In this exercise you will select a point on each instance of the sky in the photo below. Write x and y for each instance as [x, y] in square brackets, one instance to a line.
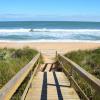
[50, 10]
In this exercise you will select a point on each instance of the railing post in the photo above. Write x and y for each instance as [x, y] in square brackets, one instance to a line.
[71, 74]
[56, 55]
[30, 77]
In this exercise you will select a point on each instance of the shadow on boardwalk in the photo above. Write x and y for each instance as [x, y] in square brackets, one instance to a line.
[45, 84]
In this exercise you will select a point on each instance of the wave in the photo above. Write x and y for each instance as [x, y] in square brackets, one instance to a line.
[64, 30]
[47, 30]
[43, 40]
[14, 30]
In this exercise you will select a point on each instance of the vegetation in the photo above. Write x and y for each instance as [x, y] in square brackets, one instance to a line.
[12, 60]
[90, 61]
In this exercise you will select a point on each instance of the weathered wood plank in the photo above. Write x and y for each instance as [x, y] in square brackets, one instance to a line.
[9, 89]
[34, 92]
[92, 80]
[30, 81]
[41, 67]
[48, 67]
[51, 88]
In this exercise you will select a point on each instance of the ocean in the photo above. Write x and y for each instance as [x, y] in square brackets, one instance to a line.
[30, 31]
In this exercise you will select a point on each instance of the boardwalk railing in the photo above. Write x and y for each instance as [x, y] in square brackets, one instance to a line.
[10, 88]
[69, 66]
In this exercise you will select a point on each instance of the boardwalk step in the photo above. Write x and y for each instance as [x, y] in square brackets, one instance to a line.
[51, 86]
[47, 67]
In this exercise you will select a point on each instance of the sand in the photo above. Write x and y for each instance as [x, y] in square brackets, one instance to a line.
[48, 49]
[56, 46]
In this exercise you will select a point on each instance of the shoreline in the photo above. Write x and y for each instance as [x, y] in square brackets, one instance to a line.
[49, 41]
[61, 47]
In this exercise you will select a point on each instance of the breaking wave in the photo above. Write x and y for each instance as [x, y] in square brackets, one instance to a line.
[49, 30]
[50, 34]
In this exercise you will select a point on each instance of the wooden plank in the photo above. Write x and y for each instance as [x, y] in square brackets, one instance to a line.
[30, 81]
[9, 89]
[65, 92]
[53, 66]
[51, 88]
[50, 78]
[92, 80]
[48, 67]
[41, 67]
[62, 79]
[69, 93]
[34, 92]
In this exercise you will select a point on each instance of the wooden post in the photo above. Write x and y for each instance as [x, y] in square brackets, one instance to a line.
[56, 56]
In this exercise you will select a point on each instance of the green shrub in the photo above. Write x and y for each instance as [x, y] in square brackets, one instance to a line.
[12, 60]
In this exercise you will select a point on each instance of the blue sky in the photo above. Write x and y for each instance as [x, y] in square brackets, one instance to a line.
[69, 10]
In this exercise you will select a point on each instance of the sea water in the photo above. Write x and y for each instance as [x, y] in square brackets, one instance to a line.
[31, 31]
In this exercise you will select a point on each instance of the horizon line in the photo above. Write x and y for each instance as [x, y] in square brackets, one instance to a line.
[46, 21]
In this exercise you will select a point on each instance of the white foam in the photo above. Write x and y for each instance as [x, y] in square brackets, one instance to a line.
[53, 32]
[14, 30]
[49, 30]
[50, 34]
[65, 30]
[43, 40]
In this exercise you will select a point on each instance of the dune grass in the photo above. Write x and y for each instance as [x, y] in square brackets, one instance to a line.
[87, 59]
[12, 60]
[90, 61]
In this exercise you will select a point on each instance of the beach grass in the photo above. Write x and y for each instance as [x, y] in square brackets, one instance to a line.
[90, 61]
[12, 60]
[87, 59]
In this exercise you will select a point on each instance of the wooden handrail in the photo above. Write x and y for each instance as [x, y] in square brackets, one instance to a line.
[92, 80]
[10, 88]
[30, 81]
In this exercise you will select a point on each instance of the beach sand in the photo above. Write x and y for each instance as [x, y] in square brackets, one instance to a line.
[48, 49]
[52, 46]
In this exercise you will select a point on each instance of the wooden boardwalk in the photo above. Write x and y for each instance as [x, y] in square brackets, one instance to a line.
[50, 81]
[51, 86]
